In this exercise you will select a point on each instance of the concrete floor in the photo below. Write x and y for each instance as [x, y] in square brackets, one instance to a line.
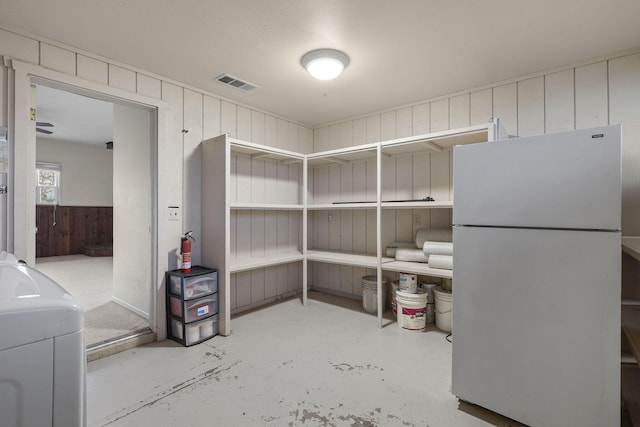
[326, 364]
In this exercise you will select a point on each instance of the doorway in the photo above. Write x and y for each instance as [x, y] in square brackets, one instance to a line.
[93, 164]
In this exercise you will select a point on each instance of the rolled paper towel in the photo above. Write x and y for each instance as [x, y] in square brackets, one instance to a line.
[444, 262]
[391, 247]
[433, 235]
[413, 255]
[437, 248]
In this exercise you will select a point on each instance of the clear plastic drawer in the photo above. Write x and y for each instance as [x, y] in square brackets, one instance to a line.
[194, 333]
[196, 309]
[200, 281]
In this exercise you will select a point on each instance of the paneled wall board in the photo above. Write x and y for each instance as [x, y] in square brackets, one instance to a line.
[57, 58]
[420, 119]
[211, 111]
[148, 86]
[439, 117]
[624, 108]
[228, 120]
[591, 95]
[505, 106]
[531, 107]
[258, 128]
[559, 97]
[19, 47]
[373, 129]
[243, 124]
[480, 106]
[93, 69]
[404, 122]
[387, 125]
[192, 155]
[459, 111]
[122, 78]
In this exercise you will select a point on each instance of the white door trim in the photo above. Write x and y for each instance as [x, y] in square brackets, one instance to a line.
[21, 220]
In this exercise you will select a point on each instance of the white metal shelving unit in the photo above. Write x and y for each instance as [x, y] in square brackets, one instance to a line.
[228, 190]
[630, 320]
[380, 152]
[234, 194]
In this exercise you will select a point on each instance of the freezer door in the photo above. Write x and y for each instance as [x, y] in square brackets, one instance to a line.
[561, 180]
[536, 324]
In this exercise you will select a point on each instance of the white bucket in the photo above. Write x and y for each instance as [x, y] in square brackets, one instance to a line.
[412, 310]
[431, 314]
[408, 283]
[394, 288]
[443, 308]
[370, 293]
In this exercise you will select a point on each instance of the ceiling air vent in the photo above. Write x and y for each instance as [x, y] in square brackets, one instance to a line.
[235, 82]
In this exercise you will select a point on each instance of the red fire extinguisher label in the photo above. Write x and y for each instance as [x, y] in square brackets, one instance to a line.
[186, 260]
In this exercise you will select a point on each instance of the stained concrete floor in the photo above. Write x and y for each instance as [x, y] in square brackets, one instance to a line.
[326, 364]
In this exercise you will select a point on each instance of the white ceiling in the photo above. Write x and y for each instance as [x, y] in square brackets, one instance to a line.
[401, 51]
[75, 118]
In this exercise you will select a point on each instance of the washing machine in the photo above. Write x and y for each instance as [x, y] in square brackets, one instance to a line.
[42, 353]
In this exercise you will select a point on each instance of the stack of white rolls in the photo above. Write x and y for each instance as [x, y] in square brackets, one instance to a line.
[432, 245]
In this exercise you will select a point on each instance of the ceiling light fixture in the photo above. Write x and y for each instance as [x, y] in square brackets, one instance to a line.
[325, 64]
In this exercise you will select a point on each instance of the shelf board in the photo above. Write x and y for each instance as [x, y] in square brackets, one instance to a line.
[631, 246]
[261, 151]
[341, 206]
[343, 155]
[631, 327]
[436, 141]
[265, 207]
[447, 204]
[417, 205]
[420, 268]
[252, 262]
[343, 258]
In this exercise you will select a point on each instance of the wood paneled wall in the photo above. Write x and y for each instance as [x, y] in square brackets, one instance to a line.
[594, 94]
[75, 227]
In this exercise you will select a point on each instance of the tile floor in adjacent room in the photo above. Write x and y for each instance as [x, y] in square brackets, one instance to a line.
[326, 364]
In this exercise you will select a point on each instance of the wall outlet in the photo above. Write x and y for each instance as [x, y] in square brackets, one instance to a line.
[416, 219]
[173, 213]
[330, 217]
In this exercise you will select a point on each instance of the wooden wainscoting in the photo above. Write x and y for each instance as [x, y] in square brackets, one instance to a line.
[76, 227]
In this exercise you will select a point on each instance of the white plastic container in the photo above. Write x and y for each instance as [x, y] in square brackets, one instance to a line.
[431, 313]
[408, 283]
[412, 310]
[370, 293]
[443, 308]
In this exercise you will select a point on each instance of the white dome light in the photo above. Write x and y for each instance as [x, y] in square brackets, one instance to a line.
[325, 64]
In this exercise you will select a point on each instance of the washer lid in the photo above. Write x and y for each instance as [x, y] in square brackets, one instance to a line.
[32, 306]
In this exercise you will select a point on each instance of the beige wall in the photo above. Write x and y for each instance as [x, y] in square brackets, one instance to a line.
[87, 171]
[602, 92]
[592, 94]
[203, 115]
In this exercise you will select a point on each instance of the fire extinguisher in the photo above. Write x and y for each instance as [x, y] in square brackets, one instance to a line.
[185, 250]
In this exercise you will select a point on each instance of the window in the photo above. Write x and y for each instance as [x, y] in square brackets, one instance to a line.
[47, 183]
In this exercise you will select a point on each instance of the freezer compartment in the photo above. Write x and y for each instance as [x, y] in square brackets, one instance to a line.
[199, 282]
[536, 325]
[193, 333]
[562, 180]
[195, 309]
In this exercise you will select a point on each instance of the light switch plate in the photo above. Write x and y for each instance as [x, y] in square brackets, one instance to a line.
[173, 213]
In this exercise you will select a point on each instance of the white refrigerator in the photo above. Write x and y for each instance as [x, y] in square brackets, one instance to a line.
[536, 277]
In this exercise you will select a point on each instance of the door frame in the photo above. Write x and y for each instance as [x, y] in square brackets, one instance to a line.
[21, 211]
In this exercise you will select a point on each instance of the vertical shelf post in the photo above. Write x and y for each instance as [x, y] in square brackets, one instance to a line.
[379, 231]
[305, 191]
